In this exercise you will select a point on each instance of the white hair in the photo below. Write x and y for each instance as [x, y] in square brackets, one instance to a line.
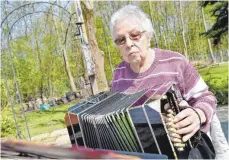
[134, 12]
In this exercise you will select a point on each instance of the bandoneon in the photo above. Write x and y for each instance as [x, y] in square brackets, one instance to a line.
[116, 121]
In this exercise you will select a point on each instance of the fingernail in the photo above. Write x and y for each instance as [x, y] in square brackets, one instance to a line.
[175, 120]
[184, 139]
[176, 126]
[178, 131]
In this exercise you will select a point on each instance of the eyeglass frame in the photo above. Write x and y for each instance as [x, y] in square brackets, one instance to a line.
[140, 34]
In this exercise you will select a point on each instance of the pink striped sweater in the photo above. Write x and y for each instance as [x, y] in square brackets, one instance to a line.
[168, 67]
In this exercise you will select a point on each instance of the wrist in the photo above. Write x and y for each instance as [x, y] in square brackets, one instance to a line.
[202, 115]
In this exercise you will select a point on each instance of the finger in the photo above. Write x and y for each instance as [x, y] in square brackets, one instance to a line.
[188, 129]
[170, 115]
[188, 136]
[185, 122]
[170, 111]
[181, 115]
[167, 106]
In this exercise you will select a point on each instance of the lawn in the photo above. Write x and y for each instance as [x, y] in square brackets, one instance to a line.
[40, 122]
[217, 79]
[47, 121]
[219, 72]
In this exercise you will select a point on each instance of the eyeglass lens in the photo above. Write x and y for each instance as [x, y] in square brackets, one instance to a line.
[133, 36]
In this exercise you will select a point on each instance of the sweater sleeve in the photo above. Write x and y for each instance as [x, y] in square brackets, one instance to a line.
[196, 93]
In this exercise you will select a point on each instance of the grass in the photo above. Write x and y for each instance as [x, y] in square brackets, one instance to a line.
[216, 75]
[217, 79]
[40, 122]
[216, 72]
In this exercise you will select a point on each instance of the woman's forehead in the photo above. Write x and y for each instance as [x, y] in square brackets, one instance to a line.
[126, 26]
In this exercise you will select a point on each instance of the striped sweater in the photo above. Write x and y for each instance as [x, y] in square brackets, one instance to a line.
[168, 67]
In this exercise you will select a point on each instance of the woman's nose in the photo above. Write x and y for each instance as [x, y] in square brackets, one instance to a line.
[129, 42]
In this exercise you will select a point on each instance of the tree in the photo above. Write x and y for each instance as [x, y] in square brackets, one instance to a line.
[220, 27]
[64, 51]
[209, 43]
[97, 54]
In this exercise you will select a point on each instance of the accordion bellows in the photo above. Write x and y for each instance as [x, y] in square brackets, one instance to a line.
[112, 121]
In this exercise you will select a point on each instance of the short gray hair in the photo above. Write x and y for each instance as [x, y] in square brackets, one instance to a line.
[139, 16]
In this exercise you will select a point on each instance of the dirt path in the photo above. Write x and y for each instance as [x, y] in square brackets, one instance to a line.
[58, 138]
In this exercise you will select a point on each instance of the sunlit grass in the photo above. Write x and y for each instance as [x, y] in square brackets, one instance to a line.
[217, 79]
[40, 122]
[216, 74]
[215, 71]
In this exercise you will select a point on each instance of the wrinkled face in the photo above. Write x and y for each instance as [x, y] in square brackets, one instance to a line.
[131, 40]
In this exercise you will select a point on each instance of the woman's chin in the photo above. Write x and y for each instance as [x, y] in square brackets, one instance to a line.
[135, 61]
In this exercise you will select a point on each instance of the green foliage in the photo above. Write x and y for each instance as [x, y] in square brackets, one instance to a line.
[4, 100]
[76, 60]
[107, 46]
[38, 121]
[216, 78]
[219, 10]
[7, 123]
[38, 62]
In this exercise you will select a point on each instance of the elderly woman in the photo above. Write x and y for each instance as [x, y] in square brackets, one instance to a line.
[144, 67]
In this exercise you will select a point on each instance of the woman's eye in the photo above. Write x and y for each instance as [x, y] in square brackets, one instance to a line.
[122, 39]
[135, 36]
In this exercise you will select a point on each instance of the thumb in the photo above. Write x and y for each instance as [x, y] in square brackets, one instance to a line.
[183, 104]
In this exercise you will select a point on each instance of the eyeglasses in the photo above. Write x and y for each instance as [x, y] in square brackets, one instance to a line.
[135, 36]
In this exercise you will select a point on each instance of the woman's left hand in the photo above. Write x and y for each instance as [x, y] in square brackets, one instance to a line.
[187, 122]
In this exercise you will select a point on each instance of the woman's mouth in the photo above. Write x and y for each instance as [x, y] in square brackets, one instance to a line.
[132, 53]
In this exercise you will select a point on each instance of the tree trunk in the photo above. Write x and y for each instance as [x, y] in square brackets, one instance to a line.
[166, 23]
[151, 17]
[106, 42]
[209, 42]
[97, 54]
[191, 54]
[66, 63]
[165, 40]
[221, 56]
[37, 50]
[183, 33]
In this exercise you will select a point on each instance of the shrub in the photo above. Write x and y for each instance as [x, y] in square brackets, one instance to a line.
[7, 123]
[219, 88]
